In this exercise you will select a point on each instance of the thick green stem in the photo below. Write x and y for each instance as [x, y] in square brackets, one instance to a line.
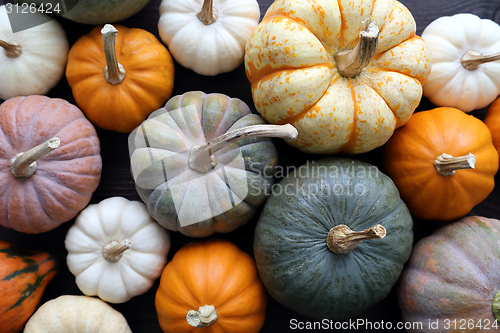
[12, 49]
[447, 165]
[208, 14]
[341, 239]
[24, 165]
[114, 71]
[205, 316]
[473, 59]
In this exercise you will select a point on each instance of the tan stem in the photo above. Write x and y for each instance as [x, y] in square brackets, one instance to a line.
[113, 251]
[205, 316]
[208, 14]
[351, 62]
[472, 59]
[12, 49]
[24, 165]
[114, 71]
[447, 165]
[341, 239]
[202, 158]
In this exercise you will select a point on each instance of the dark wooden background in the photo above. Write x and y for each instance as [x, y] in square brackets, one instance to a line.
[116, 180]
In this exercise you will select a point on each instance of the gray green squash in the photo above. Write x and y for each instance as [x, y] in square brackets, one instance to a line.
[332, 238]
[204, 163]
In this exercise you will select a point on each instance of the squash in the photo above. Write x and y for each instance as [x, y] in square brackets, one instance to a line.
[211, 285]
[115, 250]
[24, 275]
[332, 238]
[32, 61]
[493, 122]
[465, 68]
[92, 12]
[50, 163]
[443, 162]
[119, 76]
[346, 74]
[451, 278]
[75, 314]
[220, 31]
[199, 165]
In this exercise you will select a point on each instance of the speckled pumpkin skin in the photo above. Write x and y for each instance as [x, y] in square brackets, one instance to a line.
[453, 274]
[293, 260]
[219, 114]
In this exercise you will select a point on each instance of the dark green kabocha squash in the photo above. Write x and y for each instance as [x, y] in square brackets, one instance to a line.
[332, 238]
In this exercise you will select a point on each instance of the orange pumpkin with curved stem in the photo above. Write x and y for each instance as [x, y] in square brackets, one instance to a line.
[443, 162]
[211, 285]
[119, 76]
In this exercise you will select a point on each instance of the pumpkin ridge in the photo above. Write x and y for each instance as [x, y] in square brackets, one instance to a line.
[350, 144]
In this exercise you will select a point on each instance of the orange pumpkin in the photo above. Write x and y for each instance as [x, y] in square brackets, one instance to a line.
[492, 120]
[24, 275]
[443, 162]
[214, 285]
[119, 76]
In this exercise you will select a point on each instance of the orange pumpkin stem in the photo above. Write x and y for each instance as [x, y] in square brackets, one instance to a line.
[351, 62]
[24, 165]
[472, 59]
[341, 239]
[208, 14]
[446, 165]
[12, 49]
[113, 251]
[205, 316]
[202, 158]
[114, 71]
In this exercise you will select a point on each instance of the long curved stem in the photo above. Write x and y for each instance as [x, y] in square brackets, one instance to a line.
[24, 165]
[341, 239]
[114, 71]
[471, 60]
[12, 49]
[447, 165]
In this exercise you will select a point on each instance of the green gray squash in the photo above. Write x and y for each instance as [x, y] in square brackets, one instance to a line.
[332, 238]
[204, 163]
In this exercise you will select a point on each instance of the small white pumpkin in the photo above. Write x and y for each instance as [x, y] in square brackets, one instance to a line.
[32, 61]
[74, 314]
[116, 250]
[465, 70]
[208, 36]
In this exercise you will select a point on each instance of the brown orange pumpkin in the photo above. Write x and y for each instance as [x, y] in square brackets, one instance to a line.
[24, 275]
[443, 162]
[50, 163]
[211, 285]
[119, 76]
[492, 120]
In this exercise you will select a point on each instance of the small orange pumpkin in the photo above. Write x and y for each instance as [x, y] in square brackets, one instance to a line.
[211, 285]
[443, 162]
[119, 76]
[24, 275]
[492, 120]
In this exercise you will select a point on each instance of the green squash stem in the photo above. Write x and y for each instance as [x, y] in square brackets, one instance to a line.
[447, 165]
[495, 306]
[113, 251]
[341, 239]
[202, 158]
[351, 62]
[12, 49]
[471, 60]
[114, 71]
[205, 316]
[208, 14]
[24, 165]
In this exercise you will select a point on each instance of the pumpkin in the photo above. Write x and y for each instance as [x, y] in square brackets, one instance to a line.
[346, 74]
[119, 76]
[451, 278]
[24, 275]
[115, 250]
[32, 61]
[443, 162]
[74, 314]
[219, 28]
[492, 121]
[91, 11]
[332, 238]
[211, 285]
[50, 163]
[465, 69]
[199, 164]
